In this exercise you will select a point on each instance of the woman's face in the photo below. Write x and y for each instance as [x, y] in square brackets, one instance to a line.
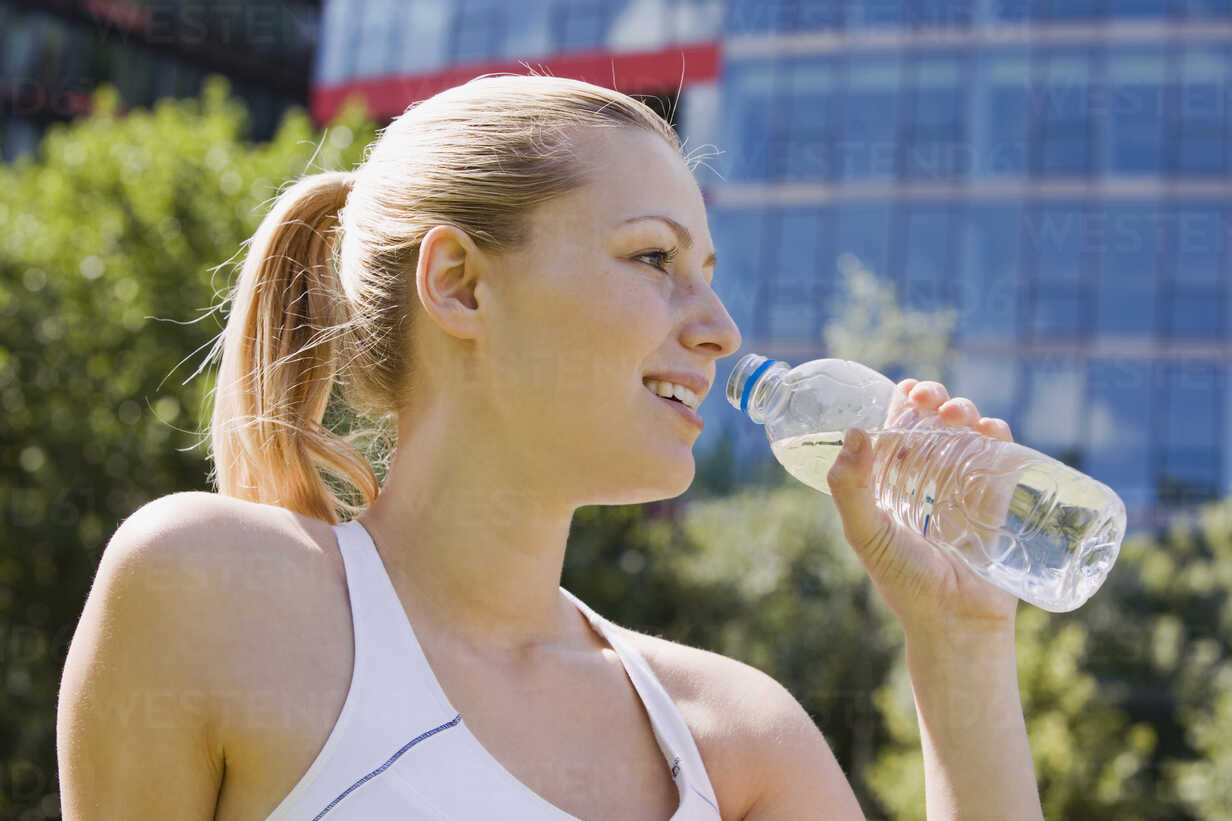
[601, 296]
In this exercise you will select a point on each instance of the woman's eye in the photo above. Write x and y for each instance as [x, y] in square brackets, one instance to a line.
[665, 256]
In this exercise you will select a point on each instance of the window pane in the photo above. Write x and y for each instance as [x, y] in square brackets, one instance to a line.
[1001, 110]
[1142, 8]
[1227, 418]
[1205, 8]
[422, 40]
[744, 16]
[1119, 425]
[332, 56]
[938, 148]
[1067, 9]
[861, 13]
[1200, 244]
[23, 32]
[1195, 314]
[813, 15]
[478, 28]
[1199, 247]
[1201, 108]
[1057, 311]
[583, 24]
[943, 12]
[810, 122]
[1189, 397]
[1057, 237]
[21, 137]
[134, 77]
[927, 266]
[1052, 419]
[870, 117]
[1134, 105]
[998, 10]
[862, 230]
[1057, 240]
[798, 273]
[1131, 237]
[749, 87]
[988, 381]
[1064, 105]
[77, 46]
[529, 32]
[989, 295]
[1189, 463]
[738, 243]
[374, 19]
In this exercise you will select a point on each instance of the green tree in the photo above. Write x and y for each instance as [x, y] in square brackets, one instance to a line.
[1128, 699]
[1169, 655]
[875, 329]
[110, 276]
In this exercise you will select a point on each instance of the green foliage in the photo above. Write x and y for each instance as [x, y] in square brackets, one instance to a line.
[1172, 655]
[1128, 700]
[1089, 759]
[108, 281]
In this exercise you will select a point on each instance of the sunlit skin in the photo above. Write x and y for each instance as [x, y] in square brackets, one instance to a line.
[530, 404]
[530, 401]
[525, 402]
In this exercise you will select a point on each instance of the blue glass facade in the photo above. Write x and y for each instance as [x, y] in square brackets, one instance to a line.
[1058, 172]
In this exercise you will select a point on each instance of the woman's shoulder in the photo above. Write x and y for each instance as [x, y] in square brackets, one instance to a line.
[197, 526]
[733, 709]
[215, 548]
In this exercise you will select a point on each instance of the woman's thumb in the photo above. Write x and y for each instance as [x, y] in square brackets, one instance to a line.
[851, 485]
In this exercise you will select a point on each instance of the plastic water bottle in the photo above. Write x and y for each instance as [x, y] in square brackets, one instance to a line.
[1024, 521]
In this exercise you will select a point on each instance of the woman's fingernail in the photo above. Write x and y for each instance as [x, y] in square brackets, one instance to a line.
[852, 441]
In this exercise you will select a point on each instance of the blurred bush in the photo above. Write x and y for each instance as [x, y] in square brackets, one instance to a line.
[108, 280]
[111, 271]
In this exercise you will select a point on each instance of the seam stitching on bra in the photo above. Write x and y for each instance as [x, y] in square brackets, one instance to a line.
[387, 764]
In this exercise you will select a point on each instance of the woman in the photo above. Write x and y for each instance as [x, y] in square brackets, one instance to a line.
[522, 263]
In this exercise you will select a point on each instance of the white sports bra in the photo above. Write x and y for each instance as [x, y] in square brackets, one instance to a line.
[400, 750]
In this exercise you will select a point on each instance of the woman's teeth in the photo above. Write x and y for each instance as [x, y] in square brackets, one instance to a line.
[670, 390]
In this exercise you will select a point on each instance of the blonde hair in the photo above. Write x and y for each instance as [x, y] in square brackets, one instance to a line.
[309, 311]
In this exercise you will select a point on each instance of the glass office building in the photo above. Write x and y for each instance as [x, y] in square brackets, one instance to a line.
[1057, 172]
[53, 54]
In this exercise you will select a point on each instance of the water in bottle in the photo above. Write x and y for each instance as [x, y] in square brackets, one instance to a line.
[1024, 521]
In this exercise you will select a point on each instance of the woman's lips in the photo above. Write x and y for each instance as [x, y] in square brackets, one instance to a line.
[691, 416]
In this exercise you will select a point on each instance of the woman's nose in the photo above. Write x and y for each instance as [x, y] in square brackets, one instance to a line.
[713, 326]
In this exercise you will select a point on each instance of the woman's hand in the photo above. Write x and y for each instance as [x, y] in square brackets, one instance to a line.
[928, 589]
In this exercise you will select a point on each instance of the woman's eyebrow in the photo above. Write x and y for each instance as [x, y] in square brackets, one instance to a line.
[686, 238]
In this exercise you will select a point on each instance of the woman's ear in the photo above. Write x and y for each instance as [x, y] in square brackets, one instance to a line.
[445, 280]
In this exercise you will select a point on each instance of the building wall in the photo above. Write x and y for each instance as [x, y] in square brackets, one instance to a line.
[1059, 175]
[54, 53]
[1057, 171]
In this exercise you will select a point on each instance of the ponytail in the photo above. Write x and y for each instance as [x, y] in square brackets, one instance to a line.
[278, 362]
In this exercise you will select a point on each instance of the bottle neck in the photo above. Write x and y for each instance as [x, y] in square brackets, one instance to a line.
[768, 392]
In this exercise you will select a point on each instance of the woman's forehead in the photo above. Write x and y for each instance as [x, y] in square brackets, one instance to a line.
[636, 173]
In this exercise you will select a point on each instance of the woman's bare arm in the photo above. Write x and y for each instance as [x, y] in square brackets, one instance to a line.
[134, 721]
[959, 630]
[977, 762]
